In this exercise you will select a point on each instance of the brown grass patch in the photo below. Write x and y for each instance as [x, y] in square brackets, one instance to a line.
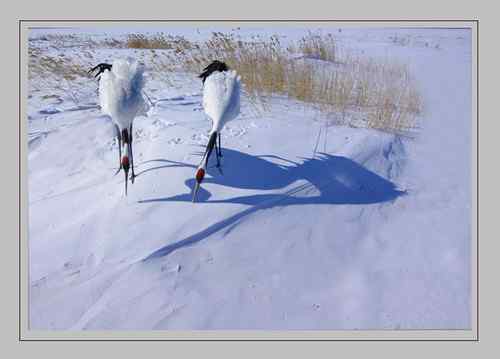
[383, 94]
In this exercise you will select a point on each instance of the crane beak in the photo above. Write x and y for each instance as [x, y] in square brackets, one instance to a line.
[195, 192]
[126, 180]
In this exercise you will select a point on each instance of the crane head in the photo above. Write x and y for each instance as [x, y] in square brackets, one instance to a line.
[126, 167]
[200, 175]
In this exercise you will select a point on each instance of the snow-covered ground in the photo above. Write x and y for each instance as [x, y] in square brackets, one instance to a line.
[312, 225]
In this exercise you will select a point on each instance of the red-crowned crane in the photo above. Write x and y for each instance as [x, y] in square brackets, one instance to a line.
[120, 96]
[221, 102]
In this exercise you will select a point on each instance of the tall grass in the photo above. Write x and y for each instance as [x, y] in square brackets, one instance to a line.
[40, 64]
[319, 46]
[157, 41]
[380, 93]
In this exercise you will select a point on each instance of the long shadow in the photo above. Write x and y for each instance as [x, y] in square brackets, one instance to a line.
[171, 164]
[329, 180]
[338, 179]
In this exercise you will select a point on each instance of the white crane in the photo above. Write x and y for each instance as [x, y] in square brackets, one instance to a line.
[221, 102]
[120, 96]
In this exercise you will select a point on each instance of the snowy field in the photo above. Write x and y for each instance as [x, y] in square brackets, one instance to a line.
[312, 226]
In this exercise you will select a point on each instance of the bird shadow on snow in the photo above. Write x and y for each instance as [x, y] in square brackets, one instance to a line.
[168, 165]
[329, 180]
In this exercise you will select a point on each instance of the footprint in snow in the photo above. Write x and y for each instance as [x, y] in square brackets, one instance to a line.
[175, 141]
[166, 269]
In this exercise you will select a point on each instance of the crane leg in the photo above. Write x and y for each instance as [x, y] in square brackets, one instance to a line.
[119, 136]
[218, 155]
[131, 155]
[212, 142]
[220, 147]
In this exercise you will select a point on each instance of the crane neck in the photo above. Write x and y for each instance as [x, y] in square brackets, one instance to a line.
[210, 146]
[125, 136]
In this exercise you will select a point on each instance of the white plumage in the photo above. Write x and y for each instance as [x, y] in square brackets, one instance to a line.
[221, 102]
[120, 96]
[221, 98]
[120, 92]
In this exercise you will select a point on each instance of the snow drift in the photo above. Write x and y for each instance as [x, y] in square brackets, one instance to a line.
[312, 226]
